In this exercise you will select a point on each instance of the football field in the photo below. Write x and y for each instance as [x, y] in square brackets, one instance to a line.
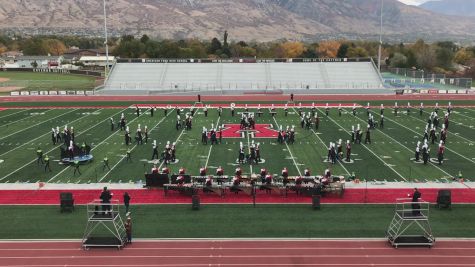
[389, 156]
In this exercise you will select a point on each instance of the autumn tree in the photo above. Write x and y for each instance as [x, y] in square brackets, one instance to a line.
[54, 47]
[328, 49]
[463, 56]
[292, 49]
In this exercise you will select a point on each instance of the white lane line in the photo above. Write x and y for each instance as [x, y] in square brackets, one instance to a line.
[37, 124]
[123, 157]
[385, 164]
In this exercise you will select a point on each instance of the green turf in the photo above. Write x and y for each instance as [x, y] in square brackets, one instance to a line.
[387, 158]
[35, 81]
[232, 221]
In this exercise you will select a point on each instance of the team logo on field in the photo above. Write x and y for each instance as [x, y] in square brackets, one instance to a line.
[260, 131]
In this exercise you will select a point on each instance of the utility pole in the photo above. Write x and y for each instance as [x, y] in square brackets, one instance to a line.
[106, 40]
[380, 37]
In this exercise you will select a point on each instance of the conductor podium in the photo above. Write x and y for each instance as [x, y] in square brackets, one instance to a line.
[105, 227]
[410, 224]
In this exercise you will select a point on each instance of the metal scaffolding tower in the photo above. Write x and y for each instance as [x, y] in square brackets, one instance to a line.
[410, 224]
[105, 227]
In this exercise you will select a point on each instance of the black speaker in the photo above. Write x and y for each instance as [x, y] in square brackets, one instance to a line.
[195, 202]
[444, 199]
[316, 202]
[66, 201]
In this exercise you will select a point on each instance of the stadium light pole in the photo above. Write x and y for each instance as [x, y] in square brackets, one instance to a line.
[380, 36]
[106, 40]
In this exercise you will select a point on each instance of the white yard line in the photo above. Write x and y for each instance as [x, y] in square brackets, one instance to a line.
[323, 143]
[288, 149]
[36, 124]
[102, 142]
[211, 148]
[452, 121]
[385, 164]
[423, 135]
[28, 117]
[23, 110]
[249, 150]
[425, 122]
[437, 167]
[17, 147]
[176, 141]
[123, 157]
[55, 146]
[463, 115]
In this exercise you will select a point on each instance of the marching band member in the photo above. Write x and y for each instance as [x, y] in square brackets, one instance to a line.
[220, 171]
[202, 171]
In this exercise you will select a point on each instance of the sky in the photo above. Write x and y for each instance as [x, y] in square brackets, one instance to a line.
[413, 2]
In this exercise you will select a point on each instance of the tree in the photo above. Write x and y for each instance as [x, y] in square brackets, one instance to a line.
[426, 58]
[328, 49]
[144, 39]
[398, 61]
[54, 47]
[292, 49]
[33, 47]
[463, 56]
[226, 49]
[444, 57]
[34, 64]
[342, 51]
[214, 46]
[355, 52]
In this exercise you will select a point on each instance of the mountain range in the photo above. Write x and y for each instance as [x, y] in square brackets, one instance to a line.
[262, 20]
[451, 7]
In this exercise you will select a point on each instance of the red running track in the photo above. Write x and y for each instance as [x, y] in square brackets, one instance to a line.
[196, 253]
[156, 196]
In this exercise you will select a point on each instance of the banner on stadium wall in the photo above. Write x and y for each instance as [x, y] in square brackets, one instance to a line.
[62, 92]
[15, 93]
[442, 91]
[34, 93]
[461, 91]
[242, 60]
[79, 92]
[24, 93]
[53, 92]
[451, 91]
[433, 91]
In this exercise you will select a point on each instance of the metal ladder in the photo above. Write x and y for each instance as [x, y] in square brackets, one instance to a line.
[395, 227]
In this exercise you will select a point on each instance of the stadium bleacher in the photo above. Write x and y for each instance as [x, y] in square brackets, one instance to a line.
[237, 78]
